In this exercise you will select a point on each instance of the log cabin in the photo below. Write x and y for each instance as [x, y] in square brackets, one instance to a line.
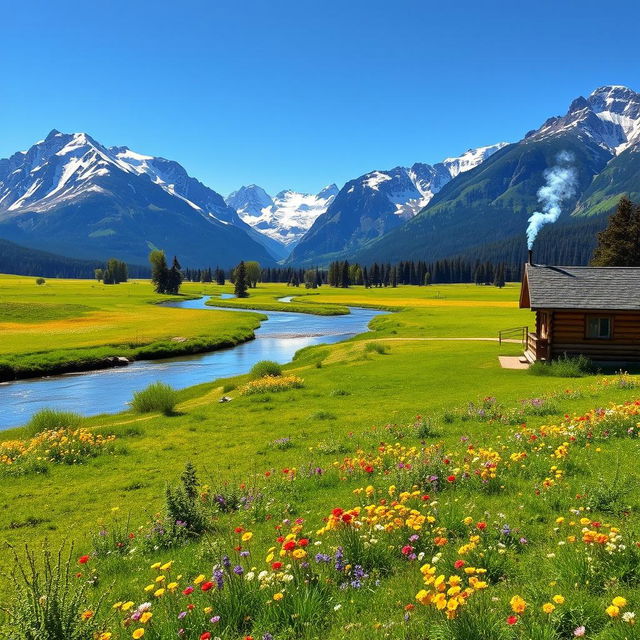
[593, 311]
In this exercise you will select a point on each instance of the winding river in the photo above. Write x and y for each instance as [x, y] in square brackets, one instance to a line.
[109, 390]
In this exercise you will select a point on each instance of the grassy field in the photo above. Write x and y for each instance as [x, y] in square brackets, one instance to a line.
[516, 479]
[75, 324]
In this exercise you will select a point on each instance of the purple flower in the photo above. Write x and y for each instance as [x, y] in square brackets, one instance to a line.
[218, 577]
[244, 554]
[226, 562]
[322, 557]
[238, 570]
[181, 615]
[267, 636]
[214, 619]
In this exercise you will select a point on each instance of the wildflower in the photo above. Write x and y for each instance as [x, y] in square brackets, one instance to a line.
[127, 605]
[629, 617]
[619, 602]
[578, 632]
[138, 633]
[247, 536]
[612, 611]
[166, 566]
[159, 593]
[83, 559]
[451, 479]
[558, 599]
[278, 596]
[276, 565]
[205, 586]
[205, 636]
[199, 579]
[187, 591]
[145, 617]
[87, 615]
[548, 608]
[518, 605]
[511, 620]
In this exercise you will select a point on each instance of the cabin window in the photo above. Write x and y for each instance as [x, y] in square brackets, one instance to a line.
[599, 327]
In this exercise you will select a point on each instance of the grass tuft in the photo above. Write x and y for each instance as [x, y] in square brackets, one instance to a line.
[156, 397]
[564, 367]
[52, 420]
[265, 368]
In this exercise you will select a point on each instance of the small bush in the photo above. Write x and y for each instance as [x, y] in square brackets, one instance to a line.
[282, 443]
[156, 397]
[340, 392]
[377, 347]
[228, 387]
[564, 367]
[40, 281]
[265, 368]
[52, 420]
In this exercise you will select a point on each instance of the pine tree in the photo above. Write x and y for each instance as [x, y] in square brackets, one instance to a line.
[344, 279]
[619, 244]
[174, 277]
[159, 271]
[241, 281]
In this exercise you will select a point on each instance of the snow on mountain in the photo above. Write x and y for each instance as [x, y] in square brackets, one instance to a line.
[66, 174]
[410, 189]
[285, 217]
[610, 116]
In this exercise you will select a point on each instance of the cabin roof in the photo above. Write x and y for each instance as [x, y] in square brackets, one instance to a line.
[595, 288]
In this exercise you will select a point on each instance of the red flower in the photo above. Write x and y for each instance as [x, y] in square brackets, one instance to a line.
[458, 564]
[347, 517]
[238, 530]
[132, 536]
[451, 478]
[303, 542]
[187, 591]
[205, 636]
[407, 549]
[276, 565]
[482, 526]
[83, 559]
[369, 469]
[409, 607]
[337, 512]
[280, 539]
[205, 586]
[191, 607]
[511, 620]
[289, 545]
[426, 497]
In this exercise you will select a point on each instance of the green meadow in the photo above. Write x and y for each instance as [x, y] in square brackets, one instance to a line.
[421, 395]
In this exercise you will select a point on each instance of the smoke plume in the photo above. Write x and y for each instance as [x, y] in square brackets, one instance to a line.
[561, 182]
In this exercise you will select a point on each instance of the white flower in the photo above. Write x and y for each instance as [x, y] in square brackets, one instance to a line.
[262, 575]
[629, 616]
[250, 576]
[338, 606]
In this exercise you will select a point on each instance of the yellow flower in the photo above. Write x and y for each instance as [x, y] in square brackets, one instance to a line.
[149, 587]
[87, 615]
[127, 605]
[278, 596]
[166, 566]
[172, 585]
[547, 607]
[613, 611]
[159, 593]
[558, 599]
[299, 554]
[208, 609]
[619, 602]
[117, 605]
[246, 536]
[518, 605]
[145, 617]
[160, 579]
[199, 579]
[105, 635]
[138, 633]
[155, 565]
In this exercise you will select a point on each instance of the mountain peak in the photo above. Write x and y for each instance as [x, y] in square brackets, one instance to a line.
[52, 134]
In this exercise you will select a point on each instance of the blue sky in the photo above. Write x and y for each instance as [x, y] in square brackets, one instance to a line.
[299, 93]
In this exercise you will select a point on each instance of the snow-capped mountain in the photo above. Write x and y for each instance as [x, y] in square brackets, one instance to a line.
[490, 205]
[369, 206]
[72, 195]
[610, 117]
[285, 217]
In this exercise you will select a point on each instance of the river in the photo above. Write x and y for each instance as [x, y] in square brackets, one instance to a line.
[109, 390]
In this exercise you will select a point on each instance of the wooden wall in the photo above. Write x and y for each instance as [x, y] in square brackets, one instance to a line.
[568, 335]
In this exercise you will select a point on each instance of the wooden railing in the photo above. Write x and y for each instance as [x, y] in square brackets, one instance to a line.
[515, 333]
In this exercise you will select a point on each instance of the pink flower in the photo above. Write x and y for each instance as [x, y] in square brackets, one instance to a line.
[578, 632]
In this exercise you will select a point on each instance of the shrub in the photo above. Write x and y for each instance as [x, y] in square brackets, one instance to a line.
[271, 383]
[563, 367]
[40, 281]
[323, 415]
[49, 602]
[52, 420]
[340, 392]
[156, 397]
[376, 347]
[265, 368]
